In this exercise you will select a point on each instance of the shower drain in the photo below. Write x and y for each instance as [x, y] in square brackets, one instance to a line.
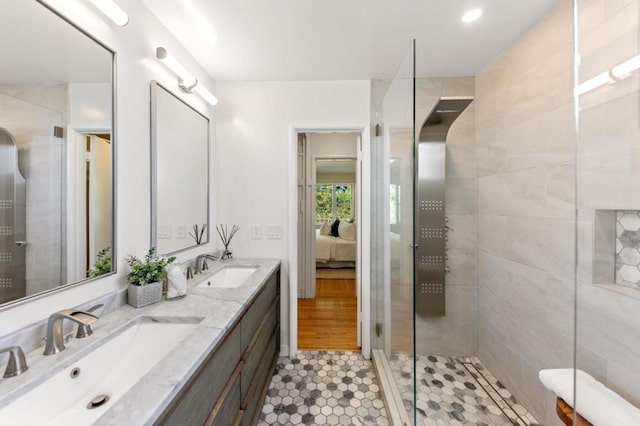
[98, 401]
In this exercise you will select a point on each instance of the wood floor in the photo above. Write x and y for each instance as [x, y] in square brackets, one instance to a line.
[329, 321]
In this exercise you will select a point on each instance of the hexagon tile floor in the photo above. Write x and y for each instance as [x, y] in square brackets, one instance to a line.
[456, 392]
[324, 388]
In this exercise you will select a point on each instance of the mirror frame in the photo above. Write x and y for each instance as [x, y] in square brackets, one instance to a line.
[114, 168]
[155, 86]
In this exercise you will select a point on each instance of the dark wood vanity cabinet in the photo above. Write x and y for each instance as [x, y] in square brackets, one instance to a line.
[230, 386]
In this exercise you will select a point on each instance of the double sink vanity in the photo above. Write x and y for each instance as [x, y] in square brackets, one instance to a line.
[203, 359]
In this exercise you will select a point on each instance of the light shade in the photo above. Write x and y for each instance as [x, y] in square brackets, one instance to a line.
[187, 80]
[113, 11]
[624, 69]
[205, 94]
[471, 15]
[594, 83]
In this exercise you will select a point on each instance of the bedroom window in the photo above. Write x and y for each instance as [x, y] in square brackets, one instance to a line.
[334, 201]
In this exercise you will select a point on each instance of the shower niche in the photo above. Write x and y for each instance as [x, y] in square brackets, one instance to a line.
[431, 220]
[617, 248]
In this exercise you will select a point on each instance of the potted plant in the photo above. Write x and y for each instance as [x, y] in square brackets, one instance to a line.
[102, 265]
[145, 278]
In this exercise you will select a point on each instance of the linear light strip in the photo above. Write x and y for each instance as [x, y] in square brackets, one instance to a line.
[619, 72]
[112, 11]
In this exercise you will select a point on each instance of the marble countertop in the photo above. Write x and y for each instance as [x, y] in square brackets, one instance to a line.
[219, 308]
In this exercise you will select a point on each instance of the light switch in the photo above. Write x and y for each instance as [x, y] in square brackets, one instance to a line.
[256, 232]
[164, 231]
[274, 232]
[181, 231]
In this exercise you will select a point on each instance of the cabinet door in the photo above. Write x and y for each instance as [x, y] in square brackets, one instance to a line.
[258, 309]
[227, 408]
[255, 392]
[259, 348]
[200, 395]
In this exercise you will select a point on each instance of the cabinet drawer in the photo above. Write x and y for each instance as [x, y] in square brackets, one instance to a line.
[253, 399]
[199, 396]
[258, 309]
[257, 349]
[226, 409]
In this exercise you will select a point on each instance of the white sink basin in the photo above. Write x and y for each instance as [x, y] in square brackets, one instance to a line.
[229, 277]
[111, 369]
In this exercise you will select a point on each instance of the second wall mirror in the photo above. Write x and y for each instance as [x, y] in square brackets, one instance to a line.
[179, 173]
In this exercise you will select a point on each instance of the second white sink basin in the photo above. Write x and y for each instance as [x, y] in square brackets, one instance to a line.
[82, 392]
[229, 277]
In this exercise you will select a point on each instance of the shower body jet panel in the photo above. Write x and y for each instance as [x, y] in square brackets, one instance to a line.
[431, 224]
[12, 222]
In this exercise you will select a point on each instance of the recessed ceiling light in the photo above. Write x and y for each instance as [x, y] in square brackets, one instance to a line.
[471, 15]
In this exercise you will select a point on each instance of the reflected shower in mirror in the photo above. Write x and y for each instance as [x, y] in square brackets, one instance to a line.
[180, 173]
[56, 153]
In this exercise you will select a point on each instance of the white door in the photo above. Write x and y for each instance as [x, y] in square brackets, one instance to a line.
[99, 195]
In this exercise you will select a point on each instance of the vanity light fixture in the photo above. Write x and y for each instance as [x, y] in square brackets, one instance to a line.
[471, 15]
[594, 83]
[615, 74]
[187, 81]
[205, 94]
[626, 68]
[113, 11]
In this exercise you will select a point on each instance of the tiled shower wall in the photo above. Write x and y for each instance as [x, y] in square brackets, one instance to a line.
[527, 228]
[526, 171]
[608, 179]
[29, 112]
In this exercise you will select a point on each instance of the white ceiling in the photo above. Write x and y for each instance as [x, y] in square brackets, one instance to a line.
[343, 39]
[39, 46]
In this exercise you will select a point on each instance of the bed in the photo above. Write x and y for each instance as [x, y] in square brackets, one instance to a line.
[334, 252]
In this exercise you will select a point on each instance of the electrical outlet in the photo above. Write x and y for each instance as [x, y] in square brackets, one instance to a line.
[164, 231]
[181, 231]
[274, 232]
[256, 232]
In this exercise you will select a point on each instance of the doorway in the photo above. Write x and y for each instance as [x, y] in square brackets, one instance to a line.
[88, 195]
[329, 200]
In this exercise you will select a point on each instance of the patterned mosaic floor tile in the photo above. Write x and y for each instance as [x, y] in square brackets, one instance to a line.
[324, 388]
[456, 392]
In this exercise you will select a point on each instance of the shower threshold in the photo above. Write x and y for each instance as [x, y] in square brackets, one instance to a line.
[455, 391]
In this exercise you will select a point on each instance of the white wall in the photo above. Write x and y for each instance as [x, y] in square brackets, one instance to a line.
[90, 106]
[136, 67]
[255, 124]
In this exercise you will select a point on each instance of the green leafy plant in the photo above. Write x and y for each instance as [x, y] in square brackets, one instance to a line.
[149, 270]
[102, 265]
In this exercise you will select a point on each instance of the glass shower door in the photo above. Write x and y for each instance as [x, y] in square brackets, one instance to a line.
[393, 280]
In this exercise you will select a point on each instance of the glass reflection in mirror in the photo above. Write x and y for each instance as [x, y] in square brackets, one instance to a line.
[56, 153]
[180, 173]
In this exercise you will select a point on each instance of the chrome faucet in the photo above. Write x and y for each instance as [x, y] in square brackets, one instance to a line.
[55, 337]
[85, 330]
[17, 363]
[201, 263]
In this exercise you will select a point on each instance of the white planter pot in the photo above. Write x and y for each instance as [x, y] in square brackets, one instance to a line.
[143, 295]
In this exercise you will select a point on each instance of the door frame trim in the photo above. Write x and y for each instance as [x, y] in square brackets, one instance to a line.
[364, 262]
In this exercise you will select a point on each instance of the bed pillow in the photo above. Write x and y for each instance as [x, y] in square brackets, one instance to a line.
[347, 231]
[334, 228]
[325, 229]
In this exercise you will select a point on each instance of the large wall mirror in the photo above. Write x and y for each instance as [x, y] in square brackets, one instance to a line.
[180, 173]
[56, 153]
